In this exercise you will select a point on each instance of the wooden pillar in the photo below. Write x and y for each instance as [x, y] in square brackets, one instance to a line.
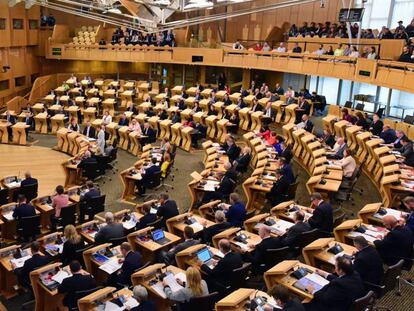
[202, 75]
[246, 78]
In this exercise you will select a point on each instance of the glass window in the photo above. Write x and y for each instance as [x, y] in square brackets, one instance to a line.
[17, 23]
[329, 88]
[365, 89]
[401, 101]
[312, 83]
[376, 13]
[345, 92]
[402, 11]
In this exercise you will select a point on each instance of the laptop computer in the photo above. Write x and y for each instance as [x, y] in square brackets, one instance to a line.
[204, 256]
[159, 236]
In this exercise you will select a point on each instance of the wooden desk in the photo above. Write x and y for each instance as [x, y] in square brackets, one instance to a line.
[19, 133]
[369, 214]
[57, 121]
[9, 223]
[316, 254]
[7, 277]
[4, 134]
[230, 234]
[286, 210]
[177, 224]
[92, 264]
[89, 302]
[148, 275]
[188, 257]
[44, 206]
[88, 230]
[278, 229]
[41, 122]
[129, 177]
[89, 114]
[346, 232]
[238, 299]
[108, 105]
[141, 240]
[282, 274]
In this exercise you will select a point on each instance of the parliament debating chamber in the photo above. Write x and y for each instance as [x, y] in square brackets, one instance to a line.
[207, 155]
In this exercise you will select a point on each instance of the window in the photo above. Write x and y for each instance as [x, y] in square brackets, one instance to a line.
[345, 91]
[19, 81]
[329, 88]
[403, 11]
[366, 89]
[33, 24]
[401, 101]
[17, 23]
[4, 85]
[2, 23]
[313, 83]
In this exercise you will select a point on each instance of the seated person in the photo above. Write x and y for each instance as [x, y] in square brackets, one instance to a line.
[286, 152]
[28, 180]
[23, 209]
[74, 126]
[397, 143]
[258, 255]
[236, 213]
[112, 230]
[227, 184]
[327, 138]
[140, 294]
[219, 276]
[87, 160]
[60, 200]
[92, 192]
[367, 262]
[388, 134]
[407, 151]
[280, 189]
[397, 244]
[293, 234]
[376, 125]
[189, 240]
[79, 281]
[242, 162]
[306, 124]
[166, 161]
[36, 261]
[132, 260]
[220, 225]
[73, 243]
[148, 218]
[168, 208]
[150, 133]
[286, 170]
[322, 214]
[338, 149]
[343, 289]
[123, 121]
[347, 163]
[232, 150]
[147, 174]
[194, 287]
[285, 299]
[89, 130]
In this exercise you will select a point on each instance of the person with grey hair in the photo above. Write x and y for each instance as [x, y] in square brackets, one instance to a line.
[367, 262]
[111, 230]
[221, 224]
[141, 295]
[409, 203]
[28, 180]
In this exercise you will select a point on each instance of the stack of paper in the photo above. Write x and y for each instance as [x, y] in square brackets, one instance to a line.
[172, 282]
[110, 306]
[131, 303]
[242, 245]
[159, 289]
[19, 262]
[281, 226]
[8, 215]
[60, 276]
[129, 224]
[111, 266]
[197, 226]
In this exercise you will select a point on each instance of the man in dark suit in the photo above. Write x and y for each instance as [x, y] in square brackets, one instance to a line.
[123, 121]
[89, 130]
[132, 108]
[285, 299]
[287, 170]
[148, 218]
[149, 173]
[220, 275]
[279, 189]
[189, 240]
[306, 124]
[12, 120]
[79, 281]
[256, 106]
[294, 232]
[342, 290]
[242, 162]
[36, 261]
[258, 255]
[232, 150]
[407, 151]
[111, 230]
[279, 90]
[368, 262]
[29, 180]
[92, 192]
[150, 133]
[228, 180]
[286, 151]
[302, 109]
[376, 125]
[220, 225]
[86, 160]
[388, 134]
[132, 261]
[397, 244]
[168, 208]
[23, 209]
[236, 212]
[322, 218]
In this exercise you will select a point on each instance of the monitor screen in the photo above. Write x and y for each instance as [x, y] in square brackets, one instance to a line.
[204, 255]
[158, 235]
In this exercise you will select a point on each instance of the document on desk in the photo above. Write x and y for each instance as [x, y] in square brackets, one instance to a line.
[129, 224]
[211, 185]
[197, 226]
[110, 306]
[19, 262]
[159, 289]
[13, 184]
[60, 276]
[172, 282]
[242, 245]
[131, 303]
[111, 266]
[8, 216]
[281, 226]
[181, 276]
[313, 280]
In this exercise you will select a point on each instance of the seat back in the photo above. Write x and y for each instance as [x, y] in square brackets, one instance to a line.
[4, 196]
[380, 112]
[203, 303]
[348, 104]
[276, 255]
[339, 219]
[30, 191]
[68, 215]
[83, 293]
[79, 254]
[360, 107]
[306, 238]
[91, 170]
[96, 205]
[156, 224]
[409, 119]
[239, 276]
[113, 154]
[103, 161]
[249, 214]
[118, 241]
[29, 227]
[391, 275]
[154, 181]
[292, 190]
[362, 303]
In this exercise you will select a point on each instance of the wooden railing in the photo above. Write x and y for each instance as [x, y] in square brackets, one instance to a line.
[383, 73]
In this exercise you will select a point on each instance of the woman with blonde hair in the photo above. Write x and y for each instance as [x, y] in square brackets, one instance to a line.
[193, 287]
[165, 164]
[73, 243]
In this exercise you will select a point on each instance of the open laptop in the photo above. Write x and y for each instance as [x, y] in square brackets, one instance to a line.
[159, 237]
[204, 256]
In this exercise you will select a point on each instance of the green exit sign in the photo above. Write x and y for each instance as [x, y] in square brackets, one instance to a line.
[57, 51]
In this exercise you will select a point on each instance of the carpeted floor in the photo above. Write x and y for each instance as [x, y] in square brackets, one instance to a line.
[188, 162]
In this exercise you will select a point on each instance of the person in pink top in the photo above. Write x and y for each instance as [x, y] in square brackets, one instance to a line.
[59, 201]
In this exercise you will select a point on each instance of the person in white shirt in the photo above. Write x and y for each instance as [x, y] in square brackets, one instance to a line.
[135, 127]
[372, 53]
[354, 52]
[347, 163]
[106, 118]
[238, 46]
[267, 113]
[266, 47]
[320, 51]
[281, 48]
[100, 142]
